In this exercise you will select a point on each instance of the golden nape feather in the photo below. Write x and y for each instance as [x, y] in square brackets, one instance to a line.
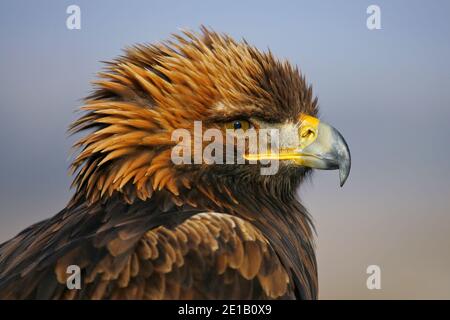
[140, 226]
[155, 89]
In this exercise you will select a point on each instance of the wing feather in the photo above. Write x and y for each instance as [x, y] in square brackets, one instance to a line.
[205, 256]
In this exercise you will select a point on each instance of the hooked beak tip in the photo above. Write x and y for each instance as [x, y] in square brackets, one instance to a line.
[344, 167]
[343, 175]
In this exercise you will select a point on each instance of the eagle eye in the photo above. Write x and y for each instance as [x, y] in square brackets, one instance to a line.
[238, 124]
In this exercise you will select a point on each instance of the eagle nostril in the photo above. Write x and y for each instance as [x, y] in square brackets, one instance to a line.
[308, 133]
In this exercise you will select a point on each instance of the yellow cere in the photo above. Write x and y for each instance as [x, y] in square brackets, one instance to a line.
[309, 129]
[308, 132]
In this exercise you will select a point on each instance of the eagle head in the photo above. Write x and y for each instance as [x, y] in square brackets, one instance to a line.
[150, 104]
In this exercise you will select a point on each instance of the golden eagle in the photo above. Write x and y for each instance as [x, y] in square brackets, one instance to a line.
[140, 226]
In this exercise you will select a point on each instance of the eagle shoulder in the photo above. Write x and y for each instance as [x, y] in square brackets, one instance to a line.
[206, 256]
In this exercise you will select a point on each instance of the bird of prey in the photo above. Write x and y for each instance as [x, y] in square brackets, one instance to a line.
[140, 226]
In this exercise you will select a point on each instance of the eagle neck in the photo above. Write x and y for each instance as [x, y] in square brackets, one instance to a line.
[282, 219]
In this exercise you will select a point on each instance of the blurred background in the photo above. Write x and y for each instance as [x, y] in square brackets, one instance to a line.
[387, 91]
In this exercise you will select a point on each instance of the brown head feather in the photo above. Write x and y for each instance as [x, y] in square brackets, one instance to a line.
[153, 89]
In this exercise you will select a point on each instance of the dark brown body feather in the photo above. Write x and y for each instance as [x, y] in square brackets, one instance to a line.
[140, 228]
[141, 252]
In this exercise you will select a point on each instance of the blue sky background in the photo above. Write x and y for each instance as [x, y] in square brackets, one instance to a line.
[388, 91]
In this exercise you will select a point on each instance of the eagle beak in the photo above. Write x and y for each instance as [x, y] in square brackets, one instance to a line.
[323, 147]
[319, 146]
